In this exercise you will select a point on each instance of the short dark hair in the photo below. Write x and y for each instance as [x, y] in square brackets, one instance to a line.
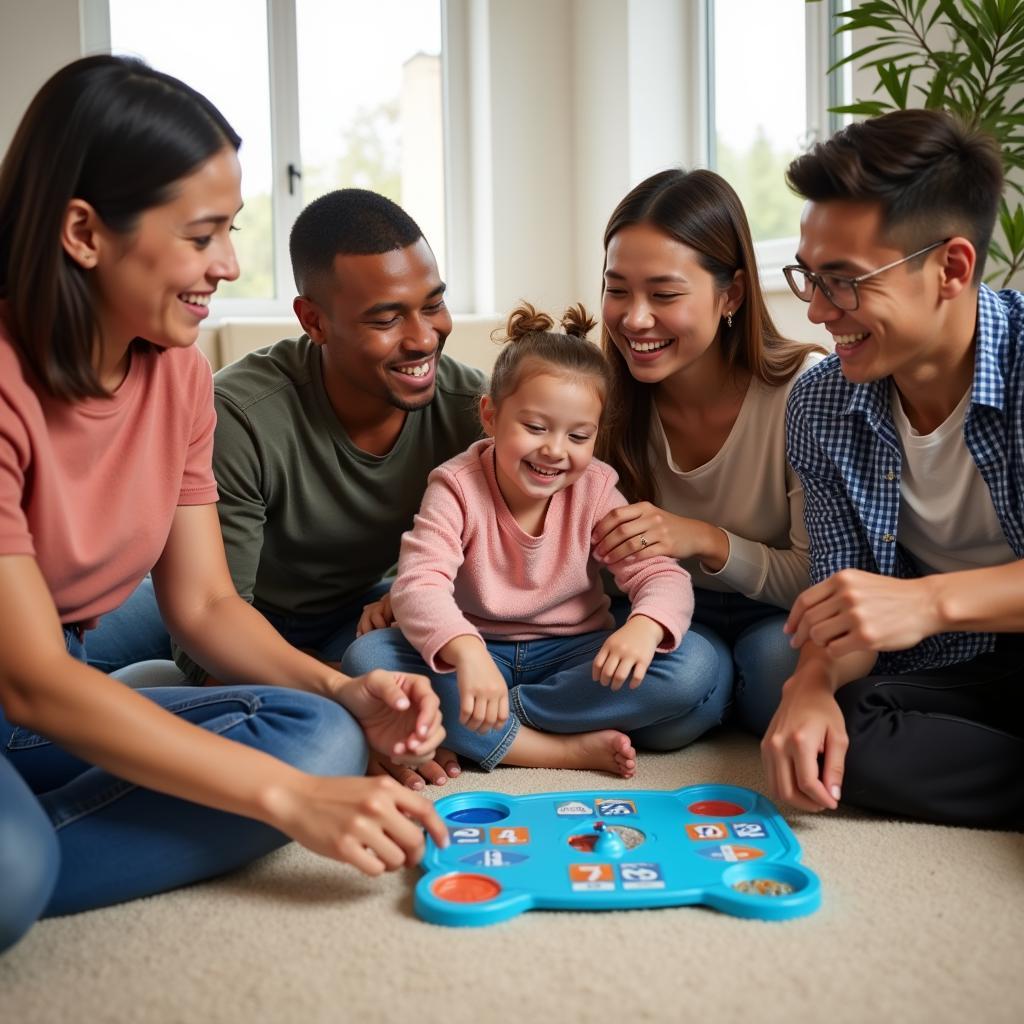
[349, 221]
[119, 135]
[933, 175]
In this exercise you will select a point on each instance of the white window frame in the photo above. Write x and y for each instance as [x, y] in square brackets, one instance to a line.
[285, 145]
[822, 91]
[474, 215]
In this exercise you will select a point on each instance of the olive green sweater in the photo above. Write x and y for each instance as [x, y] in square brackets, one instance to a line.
[310, 521]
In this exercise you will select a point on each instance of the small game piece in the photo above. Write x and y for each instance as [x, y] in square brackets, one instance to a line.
[608, 844]
[723, 846]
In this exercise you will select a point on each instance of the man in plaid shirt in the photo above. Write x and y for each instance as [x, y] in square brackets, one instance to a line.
[909, 693]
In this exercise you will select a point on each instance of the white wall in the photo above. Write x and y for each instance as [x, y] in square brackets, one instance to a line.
[36, 38]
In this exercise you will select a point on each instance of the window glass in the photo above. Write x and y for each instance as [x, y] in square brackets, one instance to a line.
[760, 107]
[227, 61]
[370, 103]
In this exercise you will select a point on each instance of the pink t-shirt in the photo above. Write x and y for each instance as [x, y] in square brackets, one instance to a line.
[89, 488]
[467, 566]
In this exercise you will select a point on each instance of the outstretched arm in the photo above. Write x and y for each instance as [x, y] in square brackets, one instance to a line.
[205, 613]
[862, 611]
[362, 821]
[804, 747]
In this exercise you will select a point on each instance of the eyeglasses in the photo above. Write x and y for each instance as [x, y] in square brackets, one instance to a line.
[840, 291]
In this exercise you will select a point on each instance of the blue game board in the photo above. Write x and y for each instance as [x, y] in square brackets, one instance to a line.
[722, 846]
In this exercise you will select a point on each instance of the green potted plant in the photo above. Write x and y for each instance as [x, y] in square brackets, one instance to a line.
[964, 56]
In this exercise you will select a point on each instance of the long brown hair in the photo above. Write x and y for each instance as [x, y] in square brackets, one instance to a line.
[700, 210]
[116, 133]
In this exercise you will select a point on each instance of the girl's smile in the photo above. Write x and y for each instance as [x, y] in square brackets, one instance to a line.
[544, 434]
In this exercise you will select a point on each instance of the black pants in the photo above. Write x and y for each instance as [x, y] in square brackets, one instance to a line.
[945, 745]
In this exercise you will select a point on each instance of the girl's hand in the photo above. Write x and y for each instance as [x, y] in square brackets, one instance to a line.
[632, 533]
[377, 615]
[400, 714]
[483, 693]
[627, 653]
[374, 824]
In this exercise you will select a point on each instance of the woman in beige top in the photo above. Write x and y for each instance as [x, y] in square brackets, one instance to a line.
[702, 379]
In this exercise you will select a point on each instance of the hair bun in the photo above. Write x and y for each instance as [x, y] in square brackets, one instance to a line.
[577, 321]
[524, 320]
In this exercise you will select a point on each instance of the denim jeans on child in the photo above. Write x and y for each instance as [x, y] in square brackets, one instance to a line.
[73, 836]
[684, 693]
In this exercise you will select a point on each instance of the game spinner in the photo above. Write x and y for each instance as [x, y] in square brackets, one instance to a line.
[722, 846]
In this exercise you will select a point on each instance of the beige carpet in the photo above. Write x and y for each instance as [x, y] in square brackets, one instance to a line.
[919, 923]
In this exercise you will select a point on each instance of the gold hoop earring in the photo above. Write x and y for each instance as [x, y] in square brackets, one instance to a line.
[728, 320]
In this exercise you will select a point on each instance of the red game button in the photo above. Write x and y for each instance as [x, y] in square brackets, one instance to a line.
[466, 888]
[716, 808]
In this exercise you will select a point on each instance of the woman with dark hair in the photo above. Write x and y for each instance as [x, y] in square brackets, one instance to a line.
[702, 378]
[117, 196]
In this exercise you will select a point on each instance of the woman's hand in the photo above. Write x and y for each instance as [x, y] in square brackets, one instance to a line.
[631, 533]
[374, 824]
[399, 712]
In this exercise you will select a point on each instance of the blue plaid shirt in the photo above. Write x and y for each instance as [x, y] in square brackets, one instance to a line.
[843, 445]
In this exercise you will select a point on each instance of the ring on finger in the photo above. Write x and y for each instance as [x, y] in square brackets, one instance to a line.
[643, 541]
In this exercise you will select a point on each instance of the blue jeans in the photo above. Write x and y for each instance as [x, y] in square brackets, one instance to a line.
[326, 635]
[74, 837]
[550, 689]
[132, 632]
[751, 647]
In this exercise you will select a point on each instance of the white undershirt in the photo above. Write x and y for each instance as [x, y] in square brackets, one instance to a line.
[947, 521]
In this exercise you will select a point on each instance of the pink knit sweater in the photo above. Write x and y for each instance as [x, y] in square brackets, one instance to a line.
[467, 567]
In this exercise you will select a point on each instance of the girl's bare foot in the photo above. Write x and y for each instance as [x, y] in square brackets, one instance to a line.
[606, 750]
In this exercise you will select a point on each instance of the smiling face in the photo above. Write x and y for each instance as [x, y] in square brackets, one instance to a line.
[662, 309]
[157, 281]
[382, 322]
[899, 324]
[544, 434]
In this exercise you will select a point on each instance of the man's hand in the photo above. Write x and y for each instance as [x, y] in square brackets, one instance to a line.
[626, 655]
[377, 615]
[444, 765]
[862, 611]
[374, 824]
[807, 725]
[399, 712]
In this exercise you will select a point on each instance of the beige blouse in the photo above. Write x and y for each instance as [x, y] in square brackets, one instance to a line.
[750, 491]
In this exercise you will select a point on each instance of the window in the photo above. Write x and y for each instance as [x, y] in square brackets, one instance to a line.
[768, 98]
[326, 94]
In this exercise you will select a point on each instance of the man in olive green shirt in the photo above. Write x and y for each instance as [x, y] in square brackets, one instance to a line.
[324, 443]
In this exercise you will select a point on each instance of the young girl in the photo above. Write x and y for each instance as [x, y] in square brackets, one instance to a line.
[701, 383]
[496, 582]
[116, 198]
